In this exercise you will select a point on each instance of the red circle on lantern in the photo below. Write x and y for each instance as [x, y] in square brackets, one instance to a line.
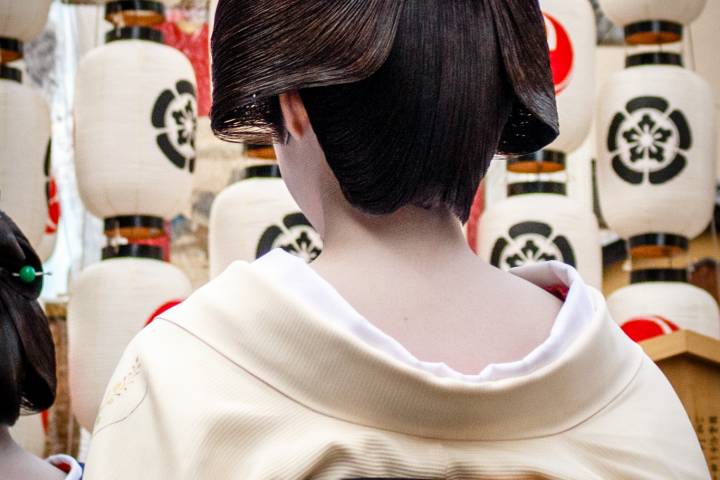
[562, 55]
[53, 219]
[643, 328]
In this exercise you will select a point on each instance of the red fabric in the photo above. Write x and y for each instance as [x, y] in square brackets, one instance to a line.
[473, 223]
[166, 306]
[195, 46]
[163, 242]
[45, 417]
[643, 328]
[560, 291]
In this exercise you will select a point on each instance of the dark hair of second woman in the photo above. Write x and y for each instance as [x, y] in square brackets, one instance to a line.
[27, 352]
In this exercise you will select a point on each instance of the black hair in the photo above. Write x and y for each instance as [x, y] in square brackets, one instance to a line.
[410, 99]
[27, 351]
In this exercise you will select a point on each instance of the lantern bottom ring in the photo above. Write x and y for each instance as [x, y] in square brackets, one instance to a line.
[656, 245]
[653, 32]
[135, 227]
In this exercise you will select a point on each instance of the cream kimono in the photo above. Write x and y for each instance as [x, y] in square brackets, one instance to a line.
[247, 380]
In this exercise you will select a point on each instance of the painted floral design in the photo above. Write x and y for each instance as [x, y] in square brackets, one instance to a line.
[649, 141]
[530, 253]
[295, 235]
[531, 242]
[174, 114]
[186, 122]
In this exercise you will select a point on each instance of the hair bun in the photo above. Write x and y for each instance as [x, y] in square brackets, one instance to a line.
[16, 253]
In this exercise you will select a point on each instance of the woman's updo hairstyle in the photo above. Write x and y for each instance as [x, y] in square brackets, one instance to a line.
[410, 99]
[27, 352]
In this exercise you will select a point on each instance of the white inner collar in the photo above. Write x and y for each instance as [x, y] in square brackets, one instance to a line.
[293, 275]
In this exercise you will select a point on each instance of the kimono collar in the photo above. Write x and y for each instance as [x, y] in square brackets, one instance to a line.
[290, 347]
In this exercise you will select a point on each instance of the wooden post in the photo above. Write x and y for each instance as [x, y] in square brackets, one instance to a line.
[692, 364]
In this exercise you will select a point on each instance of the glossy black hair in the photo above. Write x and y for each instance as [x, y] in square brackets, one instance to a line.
[410, 99]
[27, 351]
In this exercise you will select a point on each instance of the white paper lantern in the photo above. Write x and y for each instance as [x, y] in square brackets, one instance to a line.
[632, 14]
[24, 137]
[683, 304]
[29, 433]
[254, 216]
[570, 26]
[536, 227]
[135, 114]
[110, 303]
[23, 19]
[49, 239]
[656, 150]
[52, 219]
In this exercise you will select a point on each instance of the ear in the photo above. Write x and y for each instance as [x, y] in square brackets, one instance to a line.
[294, 114]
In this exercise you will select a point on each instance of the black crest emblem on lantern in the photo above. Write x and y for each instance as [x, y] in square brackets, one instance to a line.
[174, 114]
[528, 243]
[295, 236]
[649, 140]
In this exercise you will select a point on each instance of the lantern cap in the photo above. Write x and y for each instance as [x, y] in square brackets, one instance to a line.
[542, 161]
[139, 13]
[653, 32]
[132, 250]
[134, 33]
[11, 49]
[654, 245]
[659, 275]
[10, 73]
[262, 171]
[523, 188]
[654, 58]
[135, 226]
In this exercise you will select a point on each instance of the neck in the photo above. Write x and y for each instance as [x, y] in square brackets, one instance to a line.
[16, 463]
[9, 450]
[409, 233]
[6, 441]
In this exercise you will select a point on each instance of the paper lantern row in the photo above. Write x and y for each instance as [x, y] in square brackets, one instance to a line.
[110, 302]
[20, 21]
[652, 21]
[24, 137]
[665, 293]
[656, 139]
[135, 111]
[570, 27]
[542, 225]
[256, 215]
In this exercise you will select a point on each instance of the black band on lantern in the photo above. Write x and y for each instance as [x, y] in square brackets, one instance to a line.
[659, 275]
[522, 188]
[262, 171]
[134, 221]
[654, 58]
[652, 32]
[660, 240]
[11, 48]
[134, 33]
[543, 161]
[134, 250]
[10, 73]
